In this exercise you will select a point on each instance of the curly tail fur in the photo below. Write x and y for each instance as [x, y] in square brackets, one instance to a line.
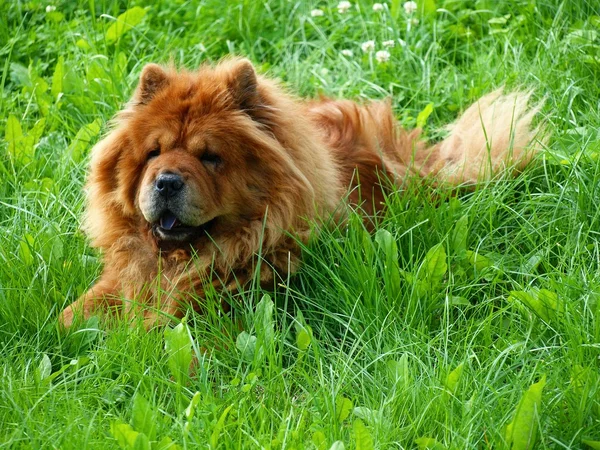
[494, 135]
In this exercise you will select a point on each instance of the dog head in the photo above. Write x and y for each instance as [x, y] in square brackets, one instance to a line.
[196, 153]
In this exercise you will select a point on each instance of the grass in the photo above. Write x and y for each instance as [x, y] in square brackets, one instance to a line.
[455, 319]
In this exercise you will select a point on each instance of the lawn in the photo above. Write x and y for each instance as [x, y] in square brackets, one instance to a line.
[467, 320]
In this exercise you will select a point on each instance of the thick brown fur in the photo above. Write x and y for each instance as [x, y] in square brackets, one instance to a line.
[259, 169]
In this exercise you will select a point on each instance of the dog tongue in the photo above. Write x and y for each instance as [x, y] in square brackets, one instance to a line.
[168, 221]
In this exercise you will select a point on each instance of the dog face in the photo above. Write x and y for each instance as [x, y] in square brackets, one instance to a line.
[179, 192]
[199, 155]
[214, 160]
[186, 181]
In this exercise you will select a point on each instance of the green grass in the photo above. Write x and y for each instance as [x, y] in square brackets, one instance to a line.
[363, 345]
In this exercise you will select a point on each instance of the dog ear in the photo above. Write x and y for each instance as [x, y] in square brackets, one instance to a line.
[243, 85]
[152, 80]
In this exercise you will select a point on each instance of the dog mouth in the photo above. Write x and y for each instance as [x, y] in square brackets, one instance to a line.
[170, 228]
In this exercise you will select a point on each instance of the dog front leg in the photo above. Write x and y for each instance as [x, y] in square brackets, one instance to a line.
[100, 299]
[188, 291]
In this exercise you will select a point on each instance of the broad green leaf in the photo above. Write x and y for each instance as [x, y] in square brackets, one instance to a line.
[391, 269]
[265, 328]
[96, 75]
[343, 406]
[521, 433]
[54, 16]
[319, 440]
[86, 335]
[246, 344]
[178, 345]
[21, 148]
[214, 437]
[499, 20]
[46, 184]
[424, 115]
[550, 301]
[40, 89]
[453, 378]
[142, 443]
[595, 445]
[409, 277]
[25, 246]
[304, 338]
[400, 370]
[124, 434]
[120, 64]
[52, 246]
[363, 438]
[479, 262]
[124, 23]
[543, 303]
[45, 367]
[459, 236]
[166, 444]
[74, 364]
[531, 264]
[191, 408]
[19, 74]
[367, 245]
[396, 8]
[426, 7]
[82, 140]
[455, 300]
[57, 77]
[83, 44]
[435, 264]
[13, 133]
[427, 443]
[144, 417]
[386, 242]
[366, 414]
[36, 132]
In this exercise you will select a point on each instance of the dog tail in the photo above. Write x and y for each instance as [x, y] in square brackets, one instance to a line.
[494, 135]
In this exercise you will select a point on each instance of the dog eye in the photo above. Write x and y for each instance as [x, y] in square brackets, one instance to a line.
[211, 159]
[153, 154]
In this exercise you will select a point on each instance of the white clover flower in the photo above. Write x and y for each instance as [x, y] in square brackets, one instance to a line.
[343, 7]
[348, 53]
[50, 8]
[382, 56]
[388, 44]
[410, 7]
[368, 46]
[316, 13]
[377, 7]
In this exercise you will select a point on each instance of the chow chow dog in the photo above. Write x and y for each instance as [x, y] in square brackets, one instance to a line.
[212, 177]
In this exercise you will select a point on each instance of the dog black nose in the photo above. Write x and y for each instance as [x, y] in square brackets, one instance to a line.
[168, 184]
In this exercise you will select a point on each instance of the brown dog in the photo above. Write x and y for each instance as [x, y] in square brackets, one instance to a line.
[207, 170]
